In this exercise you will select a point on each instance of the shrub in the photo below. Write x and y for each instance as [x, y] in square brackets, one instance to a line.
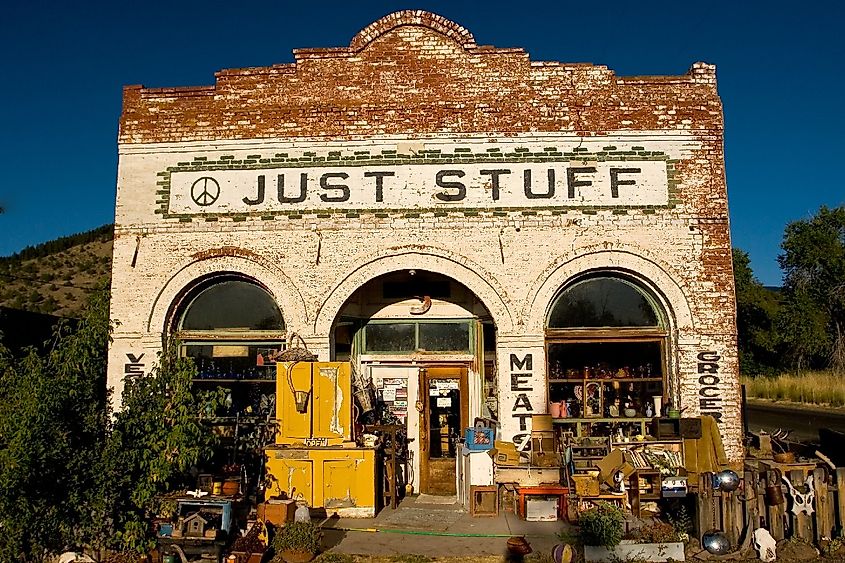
[601, 525]
[657, 532]
[298, 536]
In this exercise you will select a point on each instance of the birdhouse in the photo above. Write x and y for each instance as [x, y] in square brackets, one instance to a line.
[194, 525]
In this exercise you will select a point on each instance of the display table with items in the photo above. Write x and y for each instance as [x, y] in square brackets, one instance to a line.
[202, 526]
[641, 472]
[635, 471]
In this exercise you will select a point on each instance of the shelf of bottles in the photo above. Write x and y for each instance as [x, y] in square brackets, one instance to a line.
[246, 371]
[233, 363]
[605, 388]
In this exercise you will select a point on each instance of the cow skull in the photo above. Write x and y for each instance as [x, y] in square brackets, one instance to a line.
[765, 545]
[801, 502]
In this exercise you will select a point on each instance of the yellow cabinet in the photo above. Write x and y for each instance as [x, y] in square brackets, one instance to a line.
[314, 403]
[341, 480]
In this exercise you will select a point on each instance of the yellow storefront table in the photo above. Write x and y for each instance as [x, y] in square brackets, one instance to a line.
[340, 480]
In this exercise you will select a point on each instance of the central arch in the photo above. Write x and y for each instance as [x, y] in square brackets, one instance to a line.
[480, 282]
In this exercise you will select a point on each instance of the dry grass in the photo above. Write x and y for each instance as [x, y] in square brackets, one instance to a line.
[814, 387]
[57, 284]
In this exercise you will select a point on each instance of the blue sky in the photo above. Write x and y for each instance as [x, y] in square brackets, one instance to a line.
[64, 64]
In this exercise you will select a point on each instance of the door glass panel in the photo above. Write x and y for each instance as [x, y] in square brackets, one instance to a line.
[444, 417]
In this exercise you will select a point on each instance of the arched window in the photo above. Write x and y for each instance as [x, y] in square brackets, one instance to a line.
[603, 302]
[232, 305]
[605, 352]
[233, 330]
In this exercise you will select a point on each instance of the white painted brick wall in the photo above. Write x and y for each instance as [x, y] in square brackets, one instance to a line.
[541, 252]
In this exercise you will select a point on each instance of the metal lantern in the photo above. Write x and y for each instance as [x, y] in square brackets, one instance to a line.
[716, 542]
[726, 481]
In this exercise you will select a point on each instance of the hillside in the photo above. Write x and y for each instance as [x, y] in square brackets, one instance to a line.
[55, 277]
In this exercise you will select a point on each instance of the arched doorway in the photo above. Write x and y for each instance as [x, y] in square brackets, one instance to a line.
[427, 345]
[606, 350]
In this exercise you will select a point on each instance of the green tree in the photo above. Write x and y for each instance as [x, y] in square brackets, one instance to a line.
[813, 261]
[71, 476]
[802, 329]
[757, 309]
[158, 435]
[52, 427]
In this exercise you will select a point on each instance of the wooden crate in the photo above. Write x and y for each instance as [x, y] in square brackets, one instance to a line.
[484, 500]
[586, 485]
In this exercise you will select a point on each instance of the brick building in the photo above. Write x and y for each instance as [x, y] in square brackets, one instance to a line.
[463, 223]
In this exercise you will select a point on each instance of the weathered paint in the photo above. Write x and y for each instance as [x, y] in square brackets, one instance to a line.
[413, 91]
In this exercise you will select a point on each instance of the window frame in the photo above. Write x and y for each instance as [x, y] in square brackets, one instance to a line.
[659, 333]
[469, 322]
[656, 307]
[273, 338]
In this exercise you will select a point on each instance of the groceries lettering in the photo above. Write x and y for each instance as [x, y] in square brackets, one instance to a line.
[709, 395]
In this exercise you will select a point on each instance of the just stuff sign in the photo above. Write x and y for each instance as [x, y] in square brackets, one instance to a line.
[421, 186]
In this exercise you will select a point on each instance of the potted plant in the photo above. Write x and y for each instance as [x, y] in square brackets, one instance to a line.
[601, 531]
[656, 541]
[298, 542]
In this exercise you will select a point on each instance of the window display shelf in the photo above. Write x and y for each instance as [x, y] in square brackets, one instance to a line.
[232, 380]
[581, 425]
[607, 380]
[597, 419]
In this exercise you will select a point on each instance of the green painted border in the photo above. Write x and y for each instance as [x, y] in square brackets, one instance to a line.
[310, 159]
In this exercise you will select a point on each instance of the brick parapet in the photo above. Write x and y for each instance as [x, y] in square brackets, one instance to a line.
[416, 74]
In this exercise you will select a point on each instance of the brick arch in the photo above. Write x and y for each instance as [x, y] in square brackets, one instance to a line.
[280, 287]
[450, 29]
[458, 268]
[651, 276]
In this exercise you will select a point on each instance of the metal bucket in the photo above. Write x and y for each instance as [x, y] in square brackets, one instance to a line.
[365, 397]
[301, 399]
[774, 495]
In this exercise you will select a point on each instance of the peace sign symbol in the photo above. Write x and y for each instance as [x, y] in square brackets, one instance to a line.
[205, 191]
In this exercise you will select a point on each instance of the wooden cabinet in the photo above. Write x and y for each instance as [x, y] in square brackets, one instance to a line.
[339, 479]
[314, 403]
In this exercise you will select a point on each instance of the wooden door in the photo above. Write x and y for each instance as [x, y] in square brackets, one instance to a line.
[442, 421]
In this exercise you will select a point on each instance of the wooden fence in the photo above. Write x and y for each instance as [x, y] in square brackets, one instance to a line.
[754, 505]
